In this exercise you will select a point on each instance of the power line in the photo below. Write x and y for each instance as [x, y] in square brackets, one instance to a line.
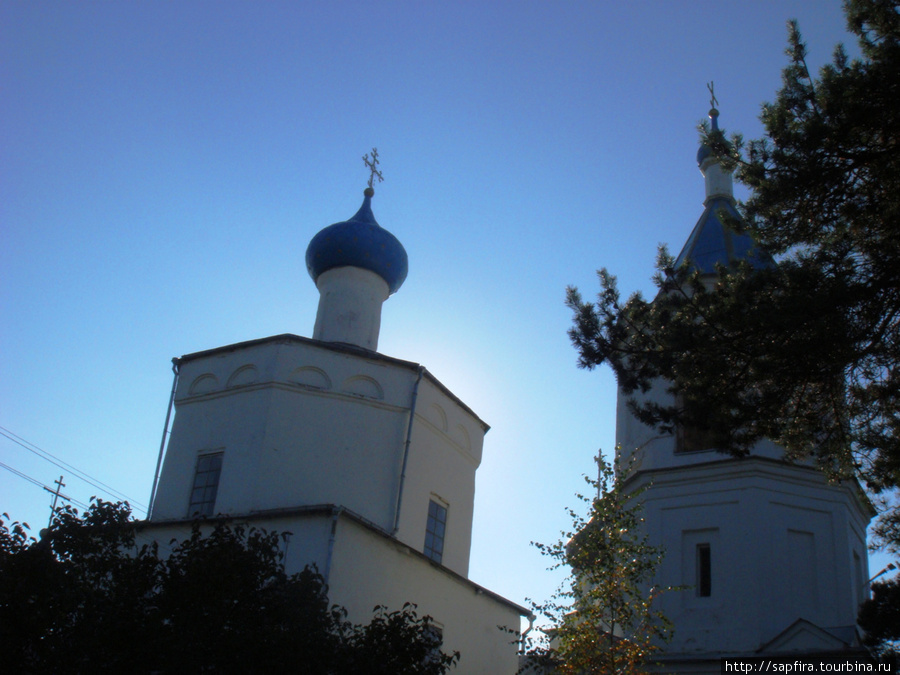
[36, 482]
[53, 459]
[43, 454]
[33, 481]
[162, 544]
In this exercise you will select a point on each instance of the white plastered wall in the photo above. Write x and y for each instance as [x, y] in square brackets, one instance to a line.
[366, 568]
[752, 512]
[445, 451]
[301, 424]
[350, 300]
[306, 425]
[369, 570]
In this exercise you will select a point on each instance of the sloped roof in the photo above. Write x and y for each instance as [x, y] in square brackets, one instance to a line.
[805, 636]
[713, 242]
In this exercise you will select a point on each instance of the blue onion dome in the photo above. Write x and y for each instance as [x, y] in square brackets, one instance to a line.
[702, 153]
[359, 242]
[705, 151]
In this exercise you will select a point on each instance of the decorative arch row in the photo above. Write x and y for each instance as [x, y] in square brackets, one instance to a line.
[312, 377]
[306, 376]
[437, 416]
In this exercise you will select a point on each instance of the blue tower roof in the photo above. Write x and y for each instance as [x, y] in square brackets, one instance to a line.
[359, 242]
[713, 242]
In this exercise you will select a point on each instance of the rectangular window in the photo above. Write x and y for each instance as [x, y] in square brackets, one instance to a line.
[206, 484]
[691, 438]
[704, 571]
[434, 531]
[859, 581]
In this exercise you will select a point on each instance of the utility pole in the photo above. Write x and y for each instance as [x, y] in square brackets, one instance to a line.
[59, 486]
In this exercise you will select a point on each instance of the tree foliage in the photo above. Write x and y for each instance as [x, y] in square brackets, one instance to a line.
[602, 619]
[806, 354]
[85, 598]
[879, 617]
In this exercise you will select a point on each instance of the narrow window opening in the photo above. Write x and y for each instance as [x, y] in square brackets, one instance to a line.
[691, 437]
[206, 485]
[434, 531]
[704, 571]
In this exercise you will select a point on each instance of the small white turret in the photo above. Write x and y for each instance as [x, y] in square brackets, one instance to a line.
[719, 183]
[350, 300]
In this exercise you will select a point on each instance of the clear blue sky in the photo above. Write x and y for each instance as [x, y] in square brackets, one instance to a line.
[164, 165]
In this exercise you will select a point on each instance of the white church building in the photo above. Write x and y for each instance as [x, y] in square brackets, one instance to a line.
[368, 460]
[772, 557]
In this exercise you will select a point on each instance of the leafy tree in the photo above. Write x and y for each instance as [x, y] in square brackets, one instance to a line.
[225, 604]
[72, 601]
[84, 598]
[807, 353]
[602, 617]
[397, 642]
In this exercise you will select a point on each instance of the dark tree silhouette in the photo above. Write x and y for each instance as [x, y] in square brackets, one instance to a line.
[83, 598]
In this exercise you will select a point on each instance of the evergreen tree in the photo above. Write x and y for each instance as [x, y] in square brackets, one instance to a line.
[806, 354]
[879, 617]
